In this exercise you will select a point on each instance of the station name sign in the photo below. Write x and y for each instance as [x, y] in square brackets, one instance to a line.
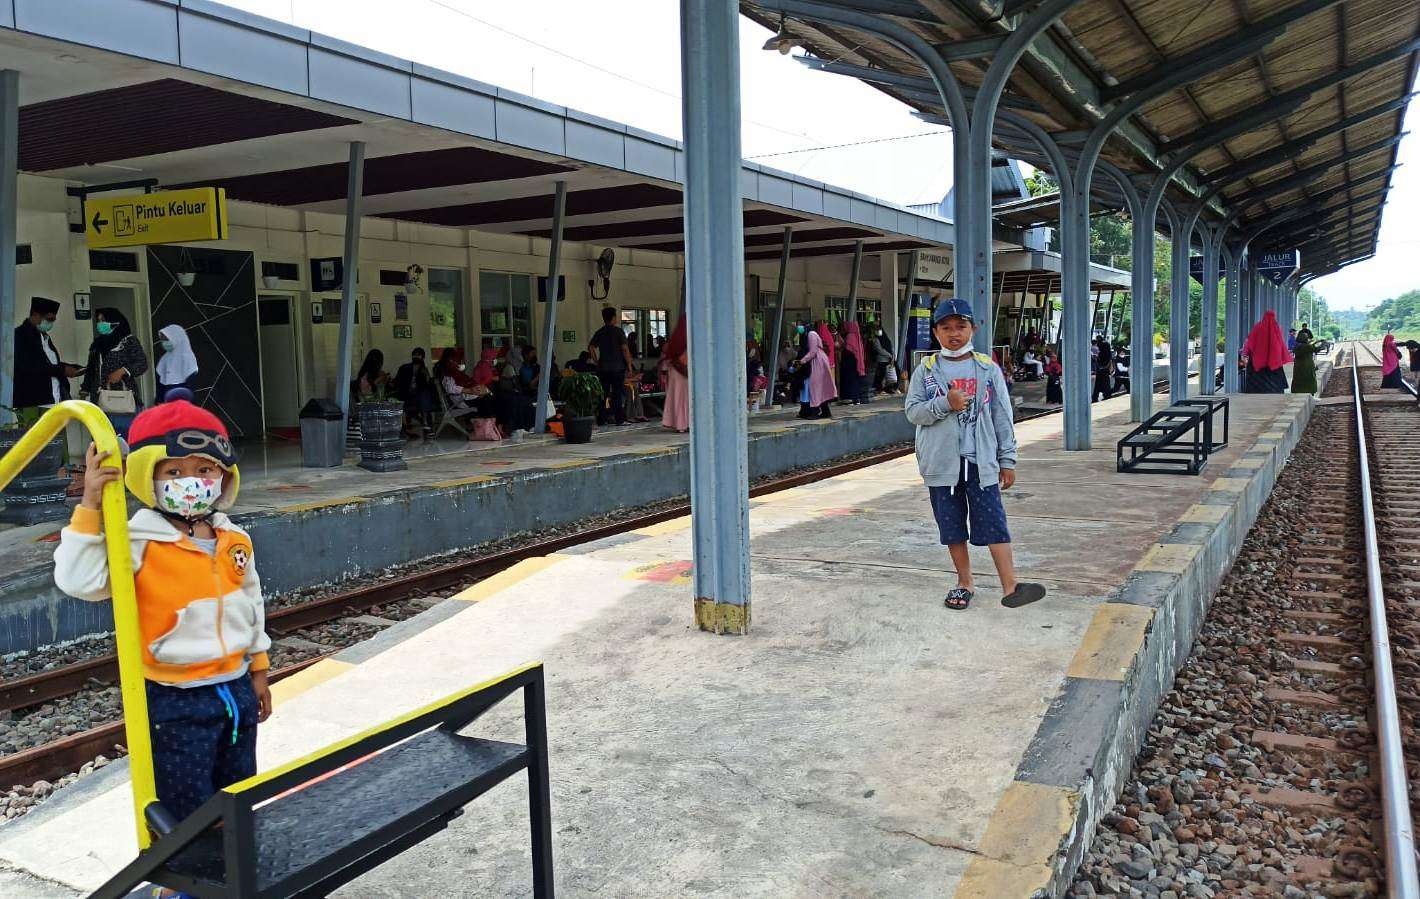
[169, 216]
[933, 266]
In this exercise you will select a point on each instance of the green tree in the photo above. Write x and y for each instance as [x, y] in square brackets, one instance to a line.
[1398, 314]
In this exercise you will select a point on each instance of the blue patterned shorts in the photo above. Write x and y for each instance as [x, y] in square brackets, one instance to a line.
[969, 502]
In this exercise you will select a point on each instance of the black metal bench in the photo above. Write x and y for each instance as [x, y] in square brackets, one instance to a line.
[310, 826]
[1172, 441]
[1214, 404]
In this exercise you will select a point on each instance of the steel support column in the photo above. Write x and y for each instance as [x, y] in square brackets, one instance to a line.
[1178, 304]
[1208, 350]
[549, 326]
[354, 202]
[9, 227]
[1232, 319]
[904, 359]
[770, 356]
[854, 275]
[714, 278]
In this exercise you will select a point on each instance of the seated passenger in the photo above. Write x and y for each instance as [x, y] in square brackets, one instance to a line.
[415, 387]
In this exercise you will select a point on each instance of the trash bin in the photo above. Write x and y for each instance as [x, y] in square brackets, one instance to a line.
[322, 434]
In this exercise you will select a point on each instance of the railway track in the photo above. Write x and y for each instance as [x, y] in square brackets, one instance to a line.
[1273, 768]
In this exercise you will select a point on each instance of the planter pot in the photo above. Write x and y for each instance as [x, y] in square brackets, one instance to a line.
[35, 494]
[382, 436]
[186, 279]
[579, 430]
[271, 280]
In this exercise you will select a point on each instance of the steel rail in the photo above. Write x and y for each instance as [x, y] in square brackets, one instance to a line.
[1402, 880]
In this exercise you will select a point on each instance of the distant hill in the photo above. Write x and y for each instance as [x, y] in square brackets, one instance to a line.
[1399, 314]
[1352, 321]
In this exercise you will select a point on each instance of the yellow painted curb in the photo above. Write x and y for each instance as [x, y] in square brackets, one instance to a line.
[506, 578]
[1172, 558]
[1249, 462]
[1111, 641]
[298, 683]
[660, 529]
[1236, 485]
[1204, 514]
[463, 482]
[1017, 853]
[322, 504]
[574, 463]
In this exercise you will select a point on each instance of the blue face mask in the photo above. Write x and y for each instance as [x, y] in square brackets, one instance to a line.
[45, 326]
[167, 345]
[104, 328]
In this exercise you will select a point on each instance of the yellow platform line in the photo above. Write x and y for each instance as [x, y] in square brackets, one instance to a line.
[506, 578]
[660, 529]
[1202, 513]
[1111, 641]
[1017, 852]
[463, 482]
[322, 504]
[288, 689]
[1170, 558]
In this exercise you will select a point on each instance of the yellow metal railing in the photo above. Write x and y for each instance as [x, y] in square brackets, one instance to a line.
[120, 578]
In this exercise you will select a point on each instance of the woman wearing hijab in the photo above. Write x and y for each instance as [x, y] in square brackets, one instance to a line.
[484, 373]
[1266, 353]
[515, 407]
[1390, 363]
[371, 376]
[818, 390]
[675, 415]
[825, 336]
[882, 358]
[116, 360]
[853, 370]
[178, 366]
[1304, 369]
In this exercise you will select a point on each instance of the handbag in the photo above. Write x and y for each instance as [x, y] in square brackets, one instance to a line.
[486, 429]
[890, 375]
[115, 402]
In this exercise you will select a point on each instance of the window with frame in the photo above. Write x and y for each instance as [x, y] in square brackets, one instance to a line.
[504, 308]
[446, 327]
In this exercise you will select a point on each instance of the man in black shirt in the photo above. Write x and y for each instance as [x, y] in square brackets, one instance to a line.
[41, 377]
[613, 356]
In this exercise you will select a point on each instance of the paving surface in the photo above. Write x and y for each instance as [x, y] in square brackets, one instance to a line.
[862, 740]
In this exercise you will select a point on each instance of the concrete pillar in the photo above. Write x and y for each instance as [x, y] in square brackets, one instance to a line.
[1141, 319]
[714, 278]
[9, 227]
[1232, 324]
[549, 326]
[1178, 315]
[1208, 361]
[855, 275]
[770, 355]
[1075, 315]
[354, 190]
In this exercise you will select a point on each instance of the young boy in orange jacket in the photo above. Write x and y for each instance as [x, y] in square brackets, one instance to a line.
[200, 608]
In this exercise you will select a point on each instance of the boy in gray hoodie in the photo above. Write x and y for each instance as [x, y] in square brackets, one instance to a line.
[966, 452]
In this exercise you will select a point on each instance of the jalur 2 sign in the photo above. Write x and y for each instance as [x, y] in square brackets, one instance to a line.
[170, 216]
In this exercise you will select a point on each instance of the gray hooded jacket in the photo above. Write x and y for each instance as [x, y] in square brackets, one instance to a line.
[938, 436]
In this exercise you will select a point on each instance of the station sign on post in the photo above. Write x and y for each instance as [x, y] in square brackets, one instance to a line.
[1196, 270]
[1277, 267]
[168, 216]
[933, 267]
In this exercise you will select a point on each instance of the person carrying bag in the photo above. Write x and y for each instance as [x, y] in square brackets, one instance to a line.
[116, 360]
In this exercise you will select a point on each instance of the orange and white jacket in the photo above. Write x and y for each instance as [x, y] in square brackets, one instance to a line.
[201, 617]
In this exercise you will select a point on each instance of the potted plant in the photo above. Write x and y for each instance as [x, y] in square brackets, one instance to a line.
[581, 395]
[37, 493]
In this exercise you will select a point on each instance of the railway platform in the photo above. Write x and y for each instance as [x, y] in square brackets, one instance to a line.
[862, 740]
[323, 525]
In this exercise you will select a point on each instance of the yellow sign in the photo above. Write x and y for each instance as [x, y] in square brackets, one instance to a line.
[169, 216]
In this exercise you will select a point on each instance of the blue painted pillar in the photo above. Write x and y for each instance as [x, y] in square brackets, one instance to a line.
[354, 197]
[1208, 358]
[9, 226]
[1232, 324]
[714, 283]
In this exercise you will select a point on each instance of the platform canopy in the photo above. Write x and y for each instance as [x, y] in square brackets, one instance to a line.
[197, 93]
[1306, 127]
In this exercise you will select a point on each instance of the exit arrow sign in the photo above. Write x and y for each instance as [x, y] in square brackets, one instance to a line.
[99, 222]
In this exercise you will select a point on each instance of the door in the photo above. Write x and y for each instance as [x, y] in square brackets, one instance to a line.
[126, 299]
[280, 379]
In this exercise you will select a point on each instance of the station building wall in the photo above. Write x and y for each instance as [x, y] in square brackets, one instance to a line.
[641, 279]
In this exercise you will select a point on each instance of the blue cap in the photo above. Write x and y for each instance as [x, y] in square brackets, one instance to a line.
[952, 306]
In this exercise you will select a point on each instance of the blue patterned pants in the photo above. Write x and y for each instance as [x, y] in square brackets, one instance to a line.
[204, 739]
[969, 503]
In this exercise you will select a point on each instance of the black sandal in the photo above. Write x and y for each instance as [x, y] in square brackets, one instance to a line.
[1023, 595]
[958, 598]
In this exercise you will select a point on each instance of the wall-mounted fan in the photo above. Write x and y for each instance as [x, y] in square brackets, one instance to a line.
[604, 263]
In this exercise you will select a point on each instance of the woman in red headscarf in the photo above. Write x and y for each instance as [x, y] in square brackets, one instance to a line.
[675, 358]
[853, 370]
[1266, 352]
[1390, 363]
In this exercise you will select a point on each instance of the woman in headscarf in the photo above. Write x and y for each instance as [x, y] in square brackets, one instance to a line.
[178, 366]
[1304, 368]
[825, 336]
[1390, 363]
[116, 360]
[515, 407]
[675, 414]
[1266, 353]
[371, 376]
[882, 357]
[818, 390]
[853, 370]
[484, 373]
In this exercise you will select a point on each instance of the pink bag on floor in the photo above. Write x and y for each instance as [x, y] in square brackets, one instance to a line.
[486, 429]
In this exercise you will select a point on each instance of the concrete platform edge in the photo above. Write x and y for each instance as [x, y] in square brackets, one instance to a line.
[1084, 748]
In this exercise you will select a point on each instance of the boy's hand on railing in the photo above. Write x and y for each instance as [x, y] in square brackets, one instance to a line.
[96, 475]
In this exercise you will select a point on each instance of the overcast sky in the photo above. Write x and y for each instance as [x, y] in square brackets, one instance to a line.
[621, 59]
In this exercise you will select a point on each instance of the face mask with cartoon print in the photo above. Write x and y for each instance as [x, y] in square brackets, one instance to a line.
[188, 497]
